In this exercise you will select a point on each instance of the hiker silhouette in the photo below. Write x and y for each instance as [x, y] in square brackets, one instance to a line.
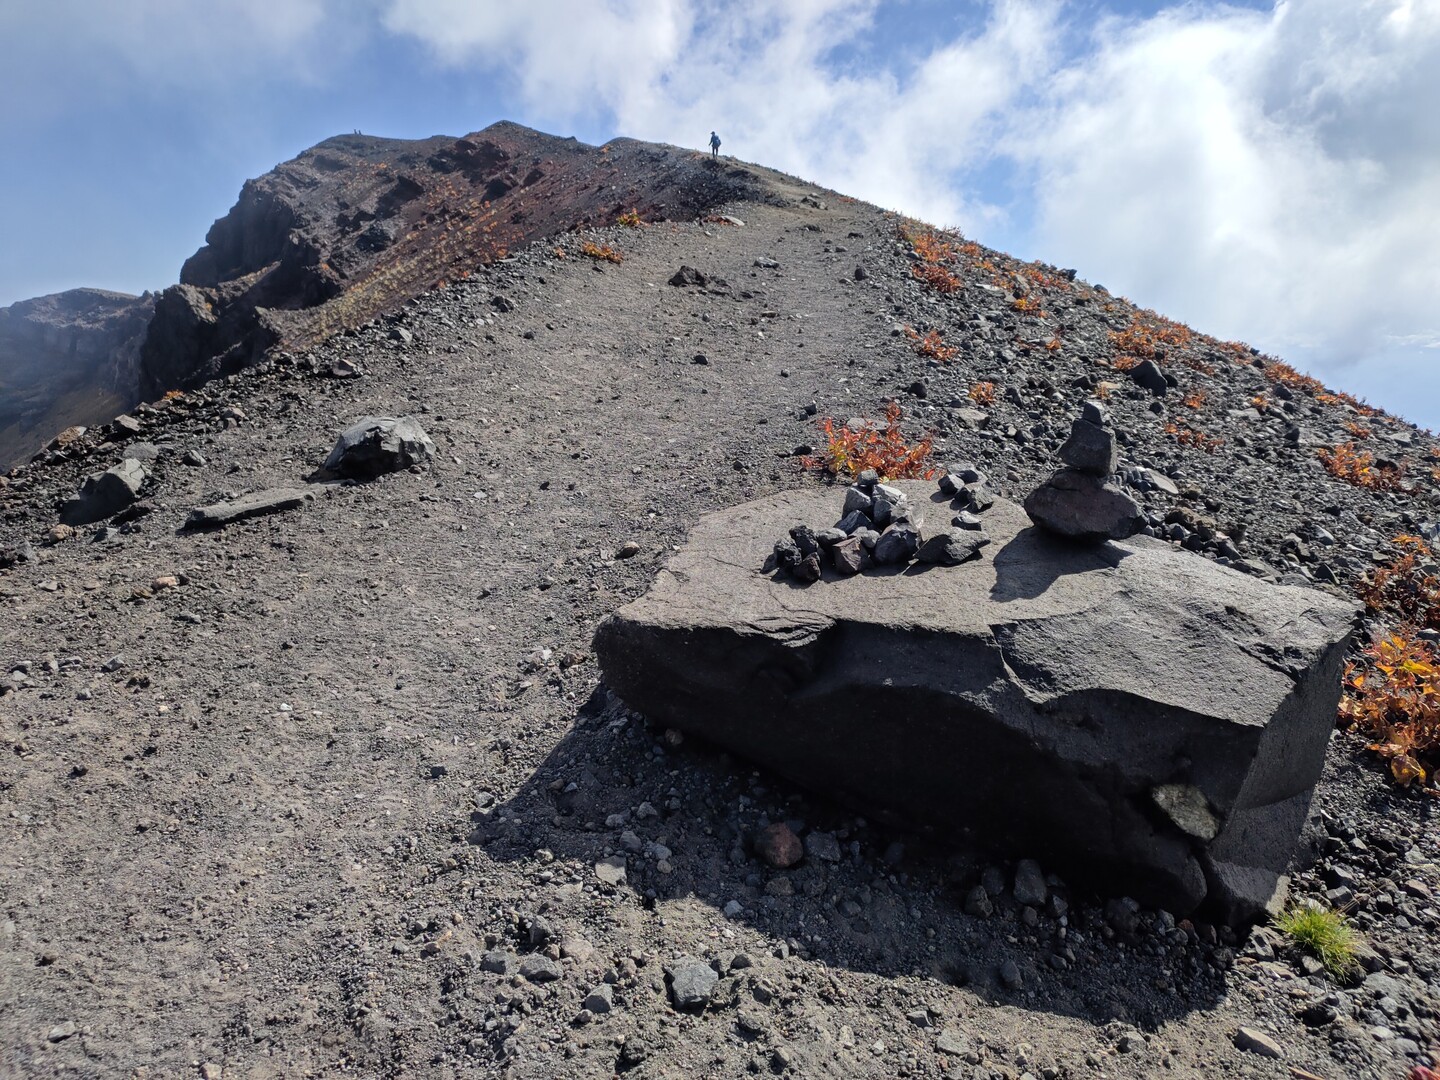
[714, 145]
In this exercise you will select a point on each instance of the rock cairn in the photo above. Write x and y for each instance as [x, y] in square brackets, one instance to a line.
[879, 526]
[1078, 501]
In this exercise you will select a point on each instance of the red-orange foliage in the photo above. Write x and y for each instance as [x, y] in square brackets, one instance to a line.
[934, 252]
[1392, 689]
[1146, 332]
[936, 276]
[1041, 278]
[1339, 397]
[983, 393]
[931, 345]
[601, 251]
[1280, 372]
[1188, 436]
[1194, 399]
[1404, 590]
[1349, 463]
[849, 452]
[928, 244]
[1392, 695]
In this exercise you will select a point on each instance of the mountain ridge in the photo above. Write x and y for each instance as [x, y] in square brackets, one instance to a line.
[356, 225]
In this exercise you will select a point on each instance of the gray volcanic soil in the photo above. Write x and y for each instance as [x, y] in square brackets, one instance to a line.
[277, 820]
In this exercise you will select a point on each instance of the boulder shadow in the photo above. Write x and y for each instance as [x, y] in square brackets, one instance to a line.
[682, 819]
[1034, 560]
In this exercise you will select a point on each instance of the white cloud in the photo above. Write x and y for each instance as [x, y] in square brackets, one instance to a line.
[1261, 175]
[566, 57]
[762, 73]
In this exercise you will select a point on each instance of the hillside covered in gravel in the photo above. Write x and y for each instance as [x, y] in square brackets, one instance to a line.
[335, 788]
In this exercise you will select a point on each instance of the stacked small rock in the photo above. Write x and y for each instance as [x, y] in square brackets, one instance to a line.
[880, 527]
[1078, 501]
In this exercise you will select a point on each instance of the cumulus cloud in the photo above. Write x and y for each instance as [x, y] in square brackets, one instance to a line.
[566, 58]
[766, 74]
[1262, 175]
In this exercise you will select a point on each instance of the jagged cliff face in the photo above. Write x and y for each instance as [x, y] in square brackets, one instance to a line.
[65, 359]
[348, 230]
[357, 225]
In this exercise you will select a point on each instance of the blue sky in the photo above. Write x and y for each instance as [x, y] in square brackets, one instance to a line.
[1263, 171]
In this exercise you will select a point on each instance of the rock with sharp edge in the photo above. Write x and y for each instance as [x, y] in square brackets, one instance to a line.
[1139, 719]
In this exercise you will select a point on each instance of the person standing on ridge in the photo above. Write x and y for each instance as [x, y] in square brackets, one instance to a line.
[714, 145]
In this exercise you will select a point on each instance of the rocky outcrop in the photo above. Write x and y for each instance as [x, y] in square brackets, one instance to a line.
[357, 225]
[66, 359]
[1141, 719]
[350, 229]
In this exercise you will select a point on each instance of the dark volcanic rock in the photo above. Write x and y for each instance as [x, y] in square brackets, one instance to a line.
[687, 275]
[1084, 507]
[1090, 448]
[379, 444]
[952, 548]
[691, 982]
[897, 544]
[1147, 374]
[1139, 719]
[104, 495]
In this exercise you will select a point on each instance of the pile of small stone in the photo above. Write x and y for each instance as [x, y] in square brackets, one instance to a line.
[880, 526]
[1078, 501]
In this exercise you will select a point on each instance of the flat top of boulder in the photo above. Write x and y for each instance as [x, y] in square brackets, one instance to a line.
[1163, 610]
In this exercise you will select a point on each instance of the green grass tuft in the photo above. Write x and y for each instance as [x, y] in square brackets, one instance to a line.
[1325, 934]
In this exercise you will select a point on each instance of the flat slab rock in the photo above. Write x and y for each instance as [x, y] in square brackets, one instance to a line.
[1140, 719]
[255, 504]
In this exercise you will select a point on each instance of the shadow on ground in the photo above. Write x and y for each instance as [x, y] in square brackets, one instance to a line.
[684, 817]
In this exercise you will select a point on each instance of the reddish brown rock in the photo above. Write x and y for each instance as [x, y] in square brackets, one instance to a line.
[779, 846]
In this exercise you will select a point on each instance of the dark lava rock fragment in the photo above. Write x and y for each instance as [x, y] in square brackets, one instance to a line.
[105, 494]
[379, 444]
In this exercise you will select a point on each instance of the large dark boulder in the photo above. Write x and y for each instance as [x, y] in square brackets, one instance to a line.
[376, 445]
[1141, 719]
[103, 495]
